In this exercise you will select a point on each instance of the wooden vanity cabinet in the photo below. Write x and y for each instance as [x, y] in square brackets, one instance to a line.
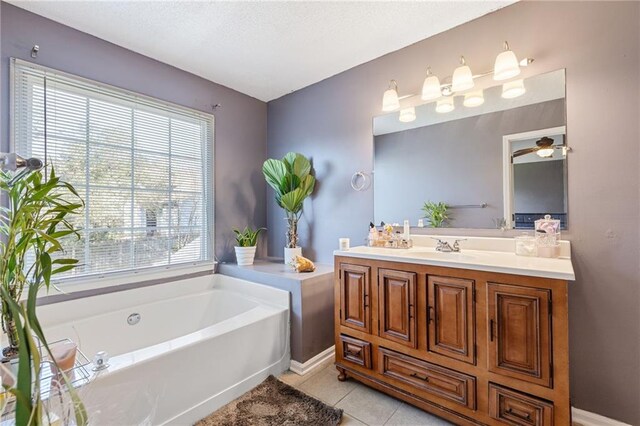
[474, 347]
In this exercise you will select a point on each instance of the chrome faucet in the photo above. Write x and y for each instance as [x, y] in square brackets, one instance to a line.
[445, 247]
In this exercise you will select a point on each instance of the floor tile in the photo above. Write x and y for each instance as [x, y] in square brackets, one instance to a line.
[326, 387]
[347, 420]
[295, 380]
[409, 415]
[368, 405]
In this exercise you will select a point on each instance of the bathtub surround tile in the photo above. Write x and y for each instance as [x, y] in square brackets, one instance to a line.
[369, 406]
[409, 415]
[312, 304]
[326, 387]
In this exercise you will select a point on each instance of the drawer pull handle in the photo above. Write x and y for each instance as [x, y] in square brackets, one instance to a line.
[525, 416]
[366, 300]
[430, 313]
[352, 353]
[419, 376]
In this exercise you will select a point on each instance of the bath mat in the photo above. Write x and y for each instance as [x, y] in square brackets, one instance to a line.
[274, 403]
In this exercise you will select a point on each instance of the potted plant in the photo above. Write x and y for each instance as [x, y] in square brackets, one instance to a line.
[292, 182]
[436, 213]
[246, 245]
[33, 226]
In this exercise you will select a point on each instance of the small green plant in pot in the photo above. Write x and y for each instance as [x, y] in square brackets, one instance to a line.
[247, 241]
[436, 214]
[292, 182]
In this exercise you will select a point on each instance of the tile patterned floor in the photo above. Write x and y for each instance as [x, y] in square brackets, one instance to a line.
[361, 404]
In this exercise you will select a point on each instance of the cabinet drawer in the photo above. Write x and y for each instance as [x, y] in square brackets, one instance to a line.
[430, 378]
[515, 408]
[356, 351]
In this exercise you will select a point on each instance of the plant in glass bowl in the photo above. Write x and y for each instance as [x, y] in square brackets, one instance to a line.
[292, 182]
[246, 242]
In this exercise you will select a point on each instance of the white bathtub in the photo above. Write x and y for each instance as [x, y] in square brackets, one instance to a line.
[200, 343]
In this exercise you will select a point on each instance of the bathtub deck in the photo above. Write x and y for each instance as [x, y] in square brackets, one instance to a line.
[361, 404]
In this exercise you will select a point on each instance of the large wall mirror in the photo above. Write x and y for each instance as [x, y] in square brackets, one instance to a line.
[501, 164]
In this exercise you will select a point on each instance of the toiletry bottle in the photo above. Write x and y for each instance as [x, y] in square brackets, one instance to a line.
[407, 230]
[373, 234]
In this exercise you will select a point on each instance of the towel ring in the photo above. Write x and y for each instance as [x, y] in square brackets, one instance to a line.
[363, 177]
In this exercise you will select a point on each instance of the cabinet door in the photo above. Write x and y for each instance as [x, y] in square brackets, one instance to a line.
[520, 332]
[355, 286]
[451, 317]
[396, 296]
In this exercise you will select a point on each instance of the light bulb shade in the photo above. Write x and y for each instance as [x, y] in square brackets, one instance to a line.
[513, 89]
[431, 88]
[545, 152]
[473, 99]
[390, 100]
[462, 79]
[506, 66]
[445, 105]
[407, 115]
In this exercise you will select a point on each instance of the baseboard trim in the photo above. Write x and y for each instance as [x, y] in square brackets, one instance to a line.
[586, 418]
[304, 368]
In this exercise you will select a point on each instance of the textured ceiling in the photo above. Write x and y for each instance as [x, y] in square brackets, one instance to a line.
[265, 49]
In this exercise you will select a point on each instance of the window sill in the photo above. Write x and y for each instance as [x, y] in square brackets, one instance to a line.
[120, 281]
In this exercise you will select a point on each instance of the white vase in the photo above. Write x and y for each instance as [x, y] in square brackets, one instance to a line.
[291, 253]
[245, 255]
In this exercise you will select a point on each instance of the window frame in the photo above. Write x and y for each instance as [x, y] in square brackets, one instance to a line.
[145, 273]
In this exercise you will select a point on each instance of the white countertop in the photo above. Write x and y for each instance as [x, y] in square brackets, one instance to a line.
[480, 260]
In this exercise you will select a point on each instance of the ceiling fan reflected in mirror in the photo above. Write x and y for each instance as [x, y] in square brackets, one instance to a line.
[544, 148]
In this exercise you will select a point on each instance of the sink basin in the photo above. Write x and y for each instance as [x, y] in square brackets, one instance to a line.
[438, 255]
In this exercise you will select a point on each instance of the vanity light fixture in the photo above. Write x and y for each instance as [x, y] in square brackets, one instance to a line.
[462, 77]
[407, 115]
[390, 101]
[513, 89]
[431, 87]
[473, 99]
[445, 105]
[506, 65]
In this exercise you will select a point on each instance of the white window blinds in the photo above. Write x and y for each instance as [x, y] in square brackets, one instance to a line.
[143, 167]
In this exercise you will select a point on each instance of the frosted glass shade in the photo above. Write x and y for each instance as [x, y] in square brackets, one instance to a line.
[462, 79]
[407, 115]
[445, 105]
[545, 152]
[506, 66]
[513, 89]
[390, 100]
[431, 88]
[473, 99]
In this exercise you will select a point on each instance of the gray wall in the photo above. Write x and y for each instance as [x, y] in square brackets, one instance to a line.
[240, 130]
[598, 44]
[539, 187]
[458, 162]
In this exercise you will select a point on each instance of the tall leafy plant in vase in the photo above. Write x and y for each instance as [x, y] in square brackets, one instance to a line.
[33, 227]
[292, 182]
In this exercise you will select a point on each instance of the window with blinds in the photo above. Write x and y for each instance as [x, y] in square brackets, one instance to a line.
[143, 167]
